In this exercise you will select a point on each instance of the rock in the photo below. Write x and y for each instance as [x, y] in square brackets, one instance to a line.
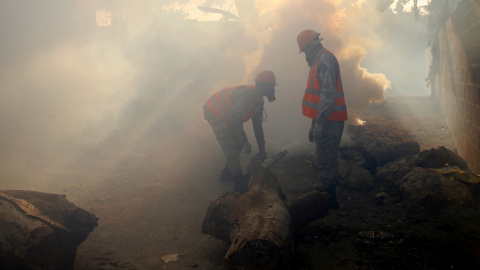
[353, 176]
[456, 192]
[423, 187]
[381, 197]
[354, 156]
[395, 170]
[390, 153]
[392, 172]
[171, 258]
[418, 186]
[375, 235]
[437, 157]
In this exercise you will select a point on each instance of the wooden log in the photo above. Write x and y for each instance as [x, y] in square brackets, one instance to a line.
[258, 224]
[308, 208]
[41, 230]
[266, 163]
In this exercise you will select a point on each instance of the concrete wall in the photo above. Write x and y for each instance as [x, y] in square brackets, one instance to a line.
[457, 81]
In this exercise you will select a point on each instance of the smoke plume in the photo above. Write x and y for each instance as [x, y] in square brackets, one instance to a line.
[71, 90]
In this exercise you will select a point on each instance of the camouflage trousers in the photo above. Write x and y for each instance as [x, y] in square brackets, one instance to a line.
[326, 151]
[230, 144]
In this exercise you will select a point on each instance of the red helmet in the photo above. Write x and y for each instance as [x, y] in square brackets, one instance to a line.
[266, 76]
[305, 37]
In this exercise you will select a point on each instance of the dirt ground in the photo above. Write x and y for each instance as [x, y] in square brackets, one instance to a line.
[149, 208]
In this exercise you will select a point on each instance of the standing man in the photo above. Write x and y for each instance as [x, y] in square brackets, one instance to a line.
[227, 110]
[324, 102]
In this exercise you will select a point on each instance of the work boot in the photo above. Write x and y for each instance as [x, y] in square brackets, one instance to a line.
[329, 186]
[241, 184]
[226, 174]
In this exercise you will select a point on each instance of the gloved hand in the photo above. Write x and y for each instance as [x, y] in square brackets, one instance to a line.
[247, 148]
[310, 134]
[261, 155]
[317, 130]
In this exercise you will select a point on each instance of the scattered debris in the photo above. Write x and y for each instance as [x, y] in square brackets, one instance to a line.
[375, 235]
[455, 173]
[432, 217]
[171, 258]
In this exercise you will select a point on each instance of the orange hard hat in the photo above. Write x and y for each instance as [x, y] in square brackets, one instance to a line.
[305, 37]
[266, 76]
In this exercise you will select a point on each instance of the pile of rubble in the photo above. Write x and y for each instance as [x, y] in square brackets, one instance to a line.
[434, 176]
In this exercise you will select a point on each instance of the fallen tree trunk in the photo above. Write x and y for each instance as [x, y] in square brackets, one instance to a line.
[258, 224]
[307, 208]
[266, 163]
[41, 230]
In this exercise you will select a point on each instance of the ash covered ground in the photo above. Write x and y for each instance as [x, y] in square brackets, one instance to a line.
[144, 220]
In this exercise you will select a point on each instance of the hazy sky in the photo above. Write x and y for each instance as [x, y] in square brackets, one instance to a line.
[68, 85]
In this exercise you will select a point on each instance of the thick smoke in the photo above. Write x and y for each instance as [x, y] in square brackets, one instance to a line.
[70, 89]
[286, 126]
[61, 87]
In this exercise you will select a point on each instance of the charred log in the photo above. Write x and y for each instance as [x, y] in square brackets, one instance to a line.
[308, 208]
[258, 224]
[41, 230]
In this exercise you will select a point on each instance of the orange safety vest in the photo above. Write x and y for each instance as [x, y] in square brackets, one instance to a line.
[220, 104]
[311, 98]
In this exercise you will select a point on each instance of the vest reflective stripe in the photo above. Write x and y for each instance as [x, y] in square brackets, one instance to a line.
[252, 109]
[316, 92]
[218, 108]
[311, 98]
[220, 104]
[335, 107]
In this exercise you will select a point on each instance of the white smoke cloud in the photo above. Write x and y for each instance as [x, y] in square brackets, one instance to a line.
[139, 85]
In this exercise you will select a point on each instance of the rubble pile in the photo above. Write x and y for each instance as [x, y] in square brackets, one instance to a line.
[407, 200]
